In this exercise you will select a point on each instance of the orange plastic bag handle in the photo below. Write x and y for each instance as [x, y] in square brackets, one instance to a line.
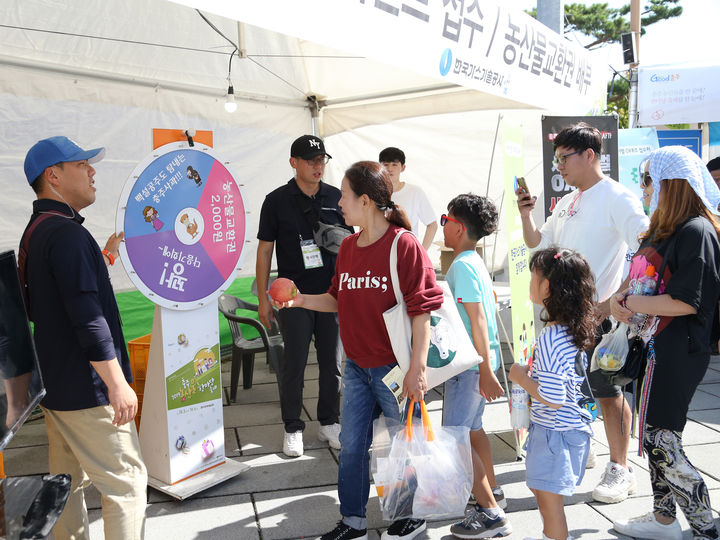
[427, 428]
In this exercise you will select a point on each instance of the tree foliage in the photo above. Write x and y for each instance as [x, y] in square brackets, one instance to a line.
[605, 24]
[617, 99]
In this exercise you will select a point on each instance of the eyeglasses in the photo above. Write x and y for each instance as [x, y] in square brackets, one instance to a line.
[645, 180]
[445, 218]
[320, 160]
[562, 158]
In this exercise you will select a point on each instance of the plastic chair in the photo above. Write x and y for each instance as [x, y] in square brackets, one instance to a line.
[243, 351]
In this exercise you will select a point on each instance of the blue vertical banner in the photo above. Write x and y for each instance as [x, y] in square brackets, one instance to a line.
[690, 138]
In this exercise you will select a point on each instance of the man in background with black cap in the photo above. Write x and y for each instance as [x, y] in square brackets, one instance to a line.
[89, 406]
[287, 220]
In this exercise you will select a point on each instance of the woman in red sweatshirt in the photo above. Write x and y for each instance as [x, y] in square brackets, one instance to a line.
[360, 292]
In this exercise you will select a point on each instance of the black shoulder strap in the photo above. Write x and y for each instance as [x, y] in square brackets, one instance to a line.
[308, 211]
[23, 253]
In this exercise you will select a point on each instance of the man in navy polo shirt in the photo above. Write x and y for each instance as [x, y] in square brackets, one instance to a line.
[286, 226]
[89, 406]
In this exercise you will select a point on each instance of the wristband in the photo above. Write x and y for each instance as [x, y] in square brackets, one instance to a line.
[109, 255]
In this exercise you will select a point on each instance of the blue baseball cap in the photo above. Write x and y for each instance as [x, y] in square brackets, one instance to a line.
[54, 150]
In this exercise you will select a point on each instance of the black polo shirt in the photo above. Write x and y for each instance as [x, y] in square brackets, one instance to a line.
[282, 221]
[73, 308]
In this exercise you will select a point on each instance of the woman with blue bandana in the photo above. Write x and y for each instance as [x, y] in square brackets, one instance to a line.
[682, 239]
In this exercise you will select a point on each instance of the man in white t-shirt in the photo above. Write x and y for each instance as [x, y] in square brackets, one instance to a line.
[601, 219]
[411, 197]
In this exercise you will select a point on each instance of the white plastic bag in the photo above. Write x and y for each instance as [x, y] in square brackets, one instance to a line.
[419, 472]
[612, 350]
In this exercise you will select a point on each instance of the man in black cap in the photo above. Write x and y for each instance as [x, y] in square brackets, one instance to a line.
[288, 217]
[89, 405]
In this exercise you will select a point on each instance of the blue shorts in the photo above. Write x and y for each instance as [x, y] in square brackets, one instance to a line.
[463, 404]
[556, 460]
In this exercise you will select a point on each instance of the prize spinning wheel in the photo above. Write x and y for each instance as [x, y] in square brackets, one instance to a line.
[183, 215]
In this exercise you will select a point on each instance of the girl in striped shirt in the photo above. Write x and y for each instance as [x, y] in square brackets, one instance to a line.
[559, 440]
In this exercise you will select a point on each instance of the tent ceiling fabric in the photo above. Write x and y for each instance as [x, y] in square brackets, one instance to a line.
[485, 46]
[165, 45]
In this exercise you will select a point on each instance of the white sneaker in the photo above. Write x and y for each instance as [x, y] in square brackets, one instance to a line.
[293, 444]
[331, 434]
[648, 527]
[615, 485]
[592, 458]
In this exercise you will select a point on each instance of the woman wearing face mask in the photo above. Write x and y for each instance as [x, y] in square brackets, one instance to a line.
[683, 233]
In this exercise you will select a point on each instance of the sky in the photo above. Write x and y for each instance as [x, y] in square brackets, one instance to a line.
[691, 37]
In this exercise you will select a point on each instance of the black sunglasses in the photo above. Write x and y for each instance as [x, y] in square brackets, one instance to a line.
[645, 179]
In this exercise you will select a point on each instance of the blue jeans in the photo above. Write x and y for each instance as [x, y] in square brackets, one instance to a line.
[365, 396]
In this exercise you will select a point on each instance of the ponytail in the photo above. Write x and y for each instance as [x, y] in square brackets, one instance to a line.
[396, 215]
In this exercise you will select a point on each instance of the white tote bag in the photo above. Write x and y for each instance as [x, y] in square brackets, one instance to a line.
[451, 348]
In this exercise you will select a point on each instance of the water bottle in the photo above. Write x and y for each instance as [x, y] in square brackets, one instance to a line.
[648, 281]
[645, 286]
[519, 407]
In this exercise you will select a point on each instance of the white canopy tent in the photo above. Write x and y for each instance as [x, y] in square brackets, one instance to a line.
[107, 72]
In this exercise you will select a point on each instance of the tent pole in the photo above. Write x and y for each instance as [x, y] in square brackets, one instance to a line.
[487, 187]
[242, 50]
[492, 268]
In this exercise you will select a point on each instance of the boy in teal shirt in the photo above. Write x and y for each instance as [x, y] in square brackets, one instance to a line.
[470, 218]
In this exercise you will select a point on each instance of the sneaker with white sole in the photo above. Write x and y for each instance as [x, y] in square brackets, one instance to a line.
[648, 527]
[615, 485]
[478, 524]
[592, 458]
[345, 532]
[404, 529]
[293, 444]
[331, 434]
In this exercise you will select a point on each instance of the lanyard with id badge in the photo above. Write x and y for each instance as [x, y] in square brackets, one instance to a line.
[312, 258]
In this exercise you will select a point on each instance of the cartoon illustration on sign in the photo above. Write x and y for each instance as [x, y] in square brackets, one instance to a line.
[208, 448]
[192, 174]
[190, 227]
[198, 381]
[203, 361]
[151, 216]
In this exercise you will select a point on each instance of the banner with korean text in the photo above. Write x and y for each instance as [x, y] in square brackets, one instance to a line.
[523, 317]
[678, 94]
[482, 45]
[634, 145]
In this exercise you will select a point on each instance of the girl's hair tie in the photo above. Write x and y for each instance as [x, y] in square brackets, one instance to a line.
[557, 255]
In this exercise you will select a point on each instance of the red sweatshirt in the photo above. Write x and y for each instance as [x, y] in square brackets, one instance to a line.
[363, 289]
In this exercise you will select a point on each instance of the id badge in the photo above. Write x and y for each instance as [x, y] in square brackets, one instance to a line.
[311, 254]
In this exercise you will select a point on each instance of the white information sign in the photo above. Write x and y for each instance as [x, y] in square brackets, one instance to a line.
[678, 94]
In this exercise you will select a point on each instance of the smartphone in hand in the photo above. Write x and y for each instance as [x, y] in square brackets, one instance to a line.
[522, 184]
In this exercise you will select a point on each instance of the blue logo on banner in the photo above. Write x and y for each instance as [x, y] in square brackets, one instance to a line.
[445, 62]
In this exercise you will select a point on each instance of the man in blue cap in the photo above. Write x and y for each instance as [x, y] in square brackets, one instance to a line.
[89, 405]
